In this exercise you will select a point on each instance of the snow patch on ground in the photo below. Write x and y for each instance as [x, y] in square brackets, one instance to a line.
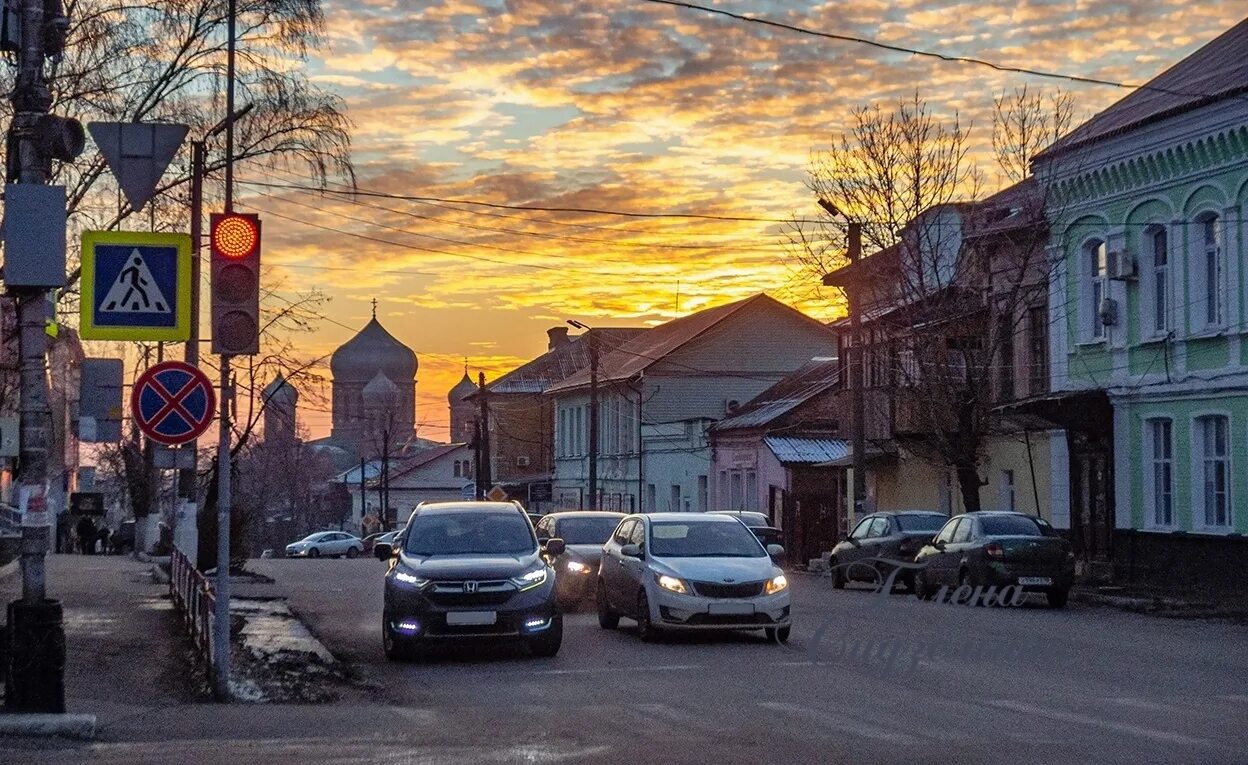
[275, 657]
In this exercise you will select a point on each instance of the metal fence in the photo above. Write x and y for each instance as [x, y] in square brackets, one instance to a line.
[193, 597]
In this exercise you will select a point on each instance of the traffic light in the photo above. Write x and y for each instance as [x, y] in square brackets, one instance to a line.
[235, 243]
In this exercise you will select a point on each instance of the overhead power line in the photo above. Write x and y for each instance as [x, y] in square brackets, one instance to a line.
[924, 53]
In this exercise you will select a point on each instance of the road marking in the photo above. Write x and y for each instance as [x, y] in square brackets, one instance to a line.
[1236, 698]
[831, 721]
[597, 670]
[1140, 704]
[1096, 722]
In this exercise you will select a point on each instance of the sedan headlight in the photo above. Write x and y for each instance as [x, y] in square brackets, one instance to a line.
[530, 579]
[576, 567]
[411, 580]
[776, 584]
[672, 584]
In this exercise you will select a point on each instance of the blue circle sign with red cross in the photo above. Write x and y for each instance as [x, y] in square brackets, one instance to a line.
[173, 403]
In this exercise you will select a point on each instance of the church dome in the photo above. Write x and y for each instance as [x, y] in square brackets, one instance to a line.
[280, 391]
[379, 389]
[465, 387]
[371, 352]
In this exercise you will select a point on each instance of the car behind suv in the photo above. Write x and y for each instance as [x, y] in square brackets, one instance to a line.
[469, 570]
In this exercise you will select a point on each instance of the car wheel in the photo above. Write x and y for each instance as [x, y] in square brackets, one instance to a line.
[778, 634]
[314, 553]
[645, 630]
[920, 588]
[838, 576]
[547, 644]
[1057, 598]
[352, 552]
[606, 618]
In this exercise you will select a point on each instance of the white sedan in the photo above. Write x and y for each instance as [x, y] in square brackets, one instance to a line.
[325, 543]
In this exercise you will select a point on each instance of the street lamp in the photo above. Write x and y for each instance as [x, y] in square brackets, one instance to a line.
[593, 411]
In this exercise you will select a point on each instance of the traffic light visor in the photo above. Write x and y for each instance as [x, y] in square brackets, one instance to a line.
[235, 236]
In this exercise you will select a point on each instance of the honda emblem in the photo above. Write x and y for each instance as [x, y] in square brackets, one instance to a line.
[470, 586]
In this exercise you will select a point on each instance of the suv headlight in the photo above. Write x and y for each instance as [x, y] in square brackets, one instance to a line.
[672, 584]
[776, 584]
[530, 579]
[409, 580]
[576, 567]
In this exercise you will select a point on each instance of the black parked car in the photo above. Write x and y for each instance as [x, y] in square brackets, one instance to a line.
[998, 549]
[583, 533]
[759, 523]
[893, 535]
[469, 570]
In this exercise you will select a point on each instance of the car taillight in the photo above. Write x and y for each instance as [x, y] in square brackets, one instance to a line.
[994, 550]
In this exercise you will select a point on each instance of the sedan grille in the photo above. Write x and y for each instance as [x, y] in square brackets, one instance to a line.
[721, 590]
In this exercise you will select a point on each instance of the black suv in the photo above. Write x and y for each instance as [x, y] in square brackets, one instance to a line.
[467, 570]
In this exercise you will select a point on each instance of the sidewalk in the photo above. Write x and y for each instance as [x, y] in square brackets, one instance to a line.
[124, 652]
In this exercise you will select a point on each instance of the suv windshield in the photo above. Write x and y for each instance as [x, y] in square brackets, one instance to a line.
[469, 533]
[1009, 525]
[921, 522]
[703, 539]
[586, 531]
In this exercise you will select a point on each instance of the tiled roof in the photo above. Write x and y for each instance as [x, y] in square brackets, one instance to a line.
[1217, 71]
[563, 361]
[637, 354]
[813, 378]
[424, 458]
[806, 451]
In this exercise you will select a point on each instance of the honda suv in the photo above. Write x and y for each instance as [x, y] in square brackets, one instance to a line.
[469, 570]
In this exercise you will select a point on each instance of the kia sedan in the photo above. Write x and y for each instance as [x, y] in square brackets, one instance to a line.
[997, 549]
[583, 533]
[327, 543]
[691, 571]
[887, 536]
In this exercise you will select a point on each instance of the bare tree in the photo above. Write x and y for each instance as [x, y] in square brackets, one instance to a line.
[1024, 123]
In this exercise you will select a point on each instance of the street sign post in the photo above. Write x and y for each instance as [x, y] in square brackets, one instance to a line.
[173, 403]
[136, 286]
[496, 494]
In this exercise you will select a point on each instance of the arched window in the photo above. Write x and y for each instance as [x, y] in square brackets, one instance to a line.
[1157, 249]
[1212, 268]
[1096, 266]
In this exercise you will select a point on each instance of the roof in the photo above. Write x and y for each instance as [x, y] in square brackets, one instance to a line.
[662, 516]
[561, 362]
[420, 459]
[816, 376]
[465, 387]
[1215, 72]
[585, 514]
[471, 506]
[806, 451]
[1013, 208]
[636, 355]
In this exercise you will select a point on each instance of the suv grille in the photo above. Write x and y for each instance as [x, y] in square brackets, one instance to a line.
[451, 593]
[720, 590]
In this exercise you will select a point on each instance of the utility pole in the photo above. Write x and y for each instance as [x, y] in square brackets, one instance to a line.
[187, 494]
[484, 473]
[593, 419]
[479, 493]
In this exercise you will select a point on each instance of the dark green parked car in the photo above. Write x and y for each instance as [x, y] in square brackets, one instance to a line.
[997, 549]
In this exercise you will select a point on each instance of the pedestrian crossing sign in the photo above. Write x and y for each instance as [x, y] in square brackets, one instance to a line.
[136, 286]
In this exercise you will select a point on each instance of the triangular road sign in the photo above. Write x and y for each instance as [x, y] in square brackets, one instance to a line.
[138, 153]
[134, 290]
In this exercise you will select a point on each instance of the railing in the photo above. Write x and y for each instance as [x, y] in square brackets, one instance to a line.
[193, 598]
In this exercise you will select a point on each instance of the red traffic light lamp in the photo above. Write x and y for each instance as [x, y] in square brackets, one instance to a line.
[234, 240]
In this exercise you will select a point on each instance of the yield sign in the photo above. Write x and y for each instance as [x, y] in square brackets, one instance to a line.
[138, 153]
[173, 403]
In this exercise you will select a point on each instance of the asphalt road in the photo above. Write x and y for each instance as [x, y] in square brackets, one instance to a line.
[864, 679]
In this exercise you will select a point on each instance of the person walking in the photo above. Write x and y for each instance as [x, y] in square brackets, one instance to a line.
[86, 535]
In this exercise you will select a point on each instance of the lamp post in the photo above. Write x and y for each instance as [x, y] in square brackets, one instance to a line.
[593, 411]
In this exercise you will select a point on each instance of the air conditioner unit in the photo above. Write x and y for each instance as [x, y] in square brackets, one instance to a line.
[1109, 311]
[1121, 266]
[522, 461]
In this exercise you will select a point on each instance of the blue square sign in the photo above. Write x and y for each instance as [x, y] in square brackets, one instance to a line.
[135, 286]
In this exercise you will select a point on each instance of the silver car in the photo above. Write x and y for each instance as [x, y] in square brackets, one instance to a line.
[689, 571]
[326, 543]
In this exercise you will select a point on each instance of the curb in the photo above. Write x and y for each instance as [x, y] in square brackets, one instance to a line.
[44, 725]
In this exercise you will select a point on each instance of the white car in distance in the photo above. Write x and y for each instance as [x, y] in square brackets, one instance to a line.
[326, 543]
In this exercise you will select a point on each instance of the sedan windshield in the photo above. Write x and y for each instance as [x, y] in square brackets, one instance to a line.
[1009, 525]
[703, 539]
[586, 531]
[469, 533]
[921, 522]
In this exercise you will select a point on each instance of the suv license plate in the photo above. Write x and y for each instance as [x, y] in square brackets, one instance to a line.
[471, 618]
[730, 608]
[1034, 580]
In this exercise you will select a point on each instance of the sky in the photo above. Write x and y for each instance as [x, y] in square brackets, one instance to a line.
[632, 106]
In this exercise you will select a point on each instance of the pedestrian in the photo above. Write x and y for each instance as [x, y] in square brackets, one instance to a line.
[86, 535]
[104, 535]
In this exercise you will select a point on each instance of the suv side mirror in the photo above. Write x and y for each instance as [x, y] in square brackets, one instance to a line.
[383, 550]
[631, 550]
[554, 547]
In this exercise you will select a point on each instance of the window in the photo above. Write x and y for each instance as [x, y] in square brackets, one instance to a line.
[578, 431]
[1161, 456]
[1157, 241]
[1038, 349]
[652, 500]
[1097, 273]
[751, 490]
[702, 494]
[1007, 490]
[458, 473]
[1215, 469]
[1211, 262]
[735, 499]
[946, 533]
[863, 529]
[637, 534]
[674, 502]
[622, 532]
[879, 528]
[963, 534]
[1005, 338]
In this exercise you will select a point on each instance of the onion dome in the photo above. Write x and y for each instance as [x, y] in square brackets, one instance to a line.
[465, 387]
[379, 390]
[371, 352]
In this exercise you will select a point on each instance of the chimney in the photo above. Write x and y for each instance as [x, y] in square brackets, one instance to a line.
[558, 336]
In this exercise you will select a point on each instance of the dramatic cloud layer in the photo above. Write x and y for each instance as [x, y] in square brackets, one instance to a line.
[628, 105]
